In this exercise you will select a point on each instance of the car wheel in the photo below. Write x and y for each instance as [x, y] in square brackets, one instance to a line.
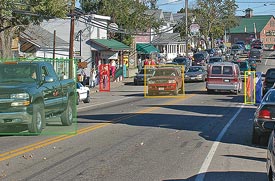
[255, 137]
[135, 82]
[68, 115]
[87, 100]
[38, 119]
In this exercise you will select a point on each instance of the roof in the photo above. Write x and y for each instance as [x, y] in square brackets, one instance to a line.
[146, 48]
[42, 38]
[110, 44]
[166, 38]
[168, 16]
[178, 17]
[247, 24]
[156, 13]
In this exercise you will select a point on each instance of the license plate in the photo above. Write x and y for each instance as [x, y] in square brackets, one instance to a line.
[226, 80]
[161, 88]
[193, 78]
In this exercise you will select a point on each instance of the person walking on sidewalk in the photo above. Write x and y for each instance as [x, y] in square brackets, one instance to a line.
[93, 78]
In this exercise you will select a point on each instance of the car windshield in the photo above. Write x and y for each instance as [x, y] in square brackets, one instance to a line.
[180, 60]
[17, 73]
[198, 56]
[148, 71]
[243, 65]
[212, 60]
[195, 69]
[164, 72]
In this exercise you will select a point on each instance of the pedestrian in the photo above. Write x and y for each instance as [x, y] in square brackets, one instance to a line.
[104, 76]
[93, 78]
[113, 68]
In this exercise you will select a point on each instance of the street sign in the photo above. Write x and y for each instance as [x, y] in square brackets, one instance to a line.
[194, 29]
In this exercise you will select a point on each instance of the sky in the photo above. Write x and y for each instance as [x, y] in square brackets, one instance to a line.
[260, 7]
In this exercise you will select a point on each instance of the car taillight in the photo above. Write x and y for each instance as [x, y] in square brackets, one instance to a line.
[253, 64]
[264, 114]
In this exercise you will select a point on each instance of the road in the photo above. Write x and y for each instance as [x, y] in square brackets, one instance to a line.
[124, 136]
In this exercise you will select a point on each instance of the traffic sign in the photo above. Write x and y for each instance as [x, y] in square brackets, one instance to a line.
[194, 28]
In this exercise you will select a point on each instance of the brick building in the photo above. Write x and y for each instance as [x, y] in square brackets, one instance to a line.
[254, 27]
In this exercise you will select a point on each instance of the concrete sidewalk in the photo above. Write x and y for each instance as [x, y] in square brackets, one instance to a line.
[113, 84]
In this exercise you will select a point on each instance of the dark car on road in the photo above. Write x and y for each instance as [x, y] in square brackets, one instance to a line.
[185, 61]
[139, 79]
[252, 63]
[200, 59]
[195, 73]
[269, 80]
[265, 112]
[255, 54]
[216, 59]
[244, 66]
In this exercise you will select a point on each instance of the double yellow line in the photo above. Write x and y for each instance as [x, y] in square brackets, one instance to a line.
[37, 145]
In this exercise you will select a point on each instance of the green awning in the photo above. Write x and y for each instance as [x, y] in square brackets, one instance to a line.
[146, 48]
[111, 44]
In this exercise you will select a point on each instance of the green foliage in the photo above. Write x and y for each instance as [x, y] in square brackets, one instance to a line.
[127, 14]
[215, 16]
[16, 14]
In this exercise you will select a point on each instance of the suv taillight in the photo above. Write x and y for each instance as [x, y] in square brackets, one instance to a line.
[264, 114]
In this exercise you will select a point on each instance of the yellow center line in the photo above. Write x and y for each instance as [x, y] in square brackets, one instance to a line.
[49, 141]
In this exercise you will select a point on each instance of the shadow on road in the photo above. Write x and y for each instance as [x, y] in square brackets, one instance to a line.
[227, 176]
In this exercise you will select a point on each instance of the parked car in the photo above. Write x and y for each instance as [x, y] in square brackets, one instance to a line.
[187, 62]
[216, 59]
[269, 80]
[139, 78]
[166, 80]
[223, 76]
[265, 112]
[195, 73]
[252, 63]
[200, 59]
[83, 93]
[244, 66]
[256, 54]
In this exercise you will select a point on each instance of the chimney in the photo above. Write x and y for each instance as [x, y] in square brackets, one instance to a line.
[248, 13]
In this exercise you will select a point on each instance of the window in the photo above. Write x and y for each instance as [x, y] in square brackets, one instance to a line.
[216, 70]
[227, 70]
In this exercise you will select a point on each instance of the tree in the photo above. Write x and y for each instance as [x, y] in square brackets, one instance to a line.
[129, 15]
[215, 16]
[15, 15]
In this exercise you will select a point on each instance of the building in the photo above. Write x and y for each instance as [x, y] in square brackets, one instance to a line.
[254, 27]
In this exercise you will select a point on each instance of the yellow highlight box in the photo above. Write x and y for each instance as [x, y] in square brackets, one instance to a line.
[167, 95]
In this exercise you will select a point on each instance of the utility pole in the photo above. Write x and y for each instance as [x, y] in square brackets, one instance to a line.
[54, 42]
[186, 27]
[71, 49]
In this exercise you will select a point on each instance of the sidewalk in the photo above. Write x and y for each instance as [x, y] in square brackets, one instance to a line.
[113, 84]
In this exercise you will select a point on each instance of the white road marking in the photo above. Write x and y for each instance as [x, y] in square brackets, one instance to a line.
[209, 157]
[94, 105]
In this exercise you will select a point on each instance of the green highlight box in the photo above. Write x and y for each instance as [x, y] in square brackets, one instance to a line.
[19, 99]
[165, 81]
[249, 87]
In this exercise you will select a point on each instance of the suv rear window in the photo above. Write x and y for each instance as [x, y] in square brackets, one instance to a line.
[216, 70]
[227, 70]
